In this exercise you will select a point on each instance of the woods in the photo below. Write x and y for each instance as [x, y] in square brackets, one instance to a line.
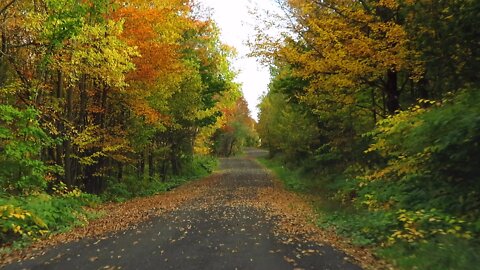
[111, 98]
[375, 103]
[372, 112]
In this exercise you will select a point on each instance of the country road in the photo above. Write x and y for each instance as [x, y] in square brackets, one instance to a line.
[229, 222]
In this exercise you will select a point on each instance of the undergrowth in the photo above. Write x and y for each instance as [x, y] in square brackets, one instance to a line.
[27, 218]
[449, 251]
[131, 186]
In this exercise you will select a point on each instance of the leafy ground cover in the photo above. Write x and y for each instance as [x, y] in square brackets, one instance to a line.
[447, 249]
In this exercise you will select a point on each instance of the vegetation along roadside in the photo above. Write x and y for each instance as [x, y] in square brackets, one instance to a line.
[373, 106]
[106, 101]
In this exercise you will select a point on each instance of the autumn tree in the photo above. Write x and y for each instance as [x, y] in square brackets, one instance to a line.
[237, 131]
[114, 84]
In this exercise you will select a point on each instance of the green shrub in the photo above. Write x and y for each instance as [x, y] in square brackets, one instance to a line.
[411, 239]
[29, 217]
[21, 141]
[443, 252]
[365, 228]
[199, 166]
[433, 156]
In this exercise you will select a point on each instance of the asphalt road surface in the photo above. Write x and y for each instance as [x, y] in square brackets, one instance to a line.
[207, 232]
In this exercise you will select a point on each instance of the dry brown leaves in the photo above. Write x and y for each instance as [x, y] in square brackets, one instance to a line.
[119, 217]
[295, 219]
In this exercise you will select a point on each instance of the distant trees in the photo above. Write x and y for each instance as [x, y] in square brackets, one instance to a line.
[238, 132]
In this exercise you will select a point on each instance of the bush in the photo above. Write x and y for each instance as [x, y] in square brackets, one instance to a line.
[433, 156]
[200, 166]
[29, 217]
[21, 141]
[365, 228]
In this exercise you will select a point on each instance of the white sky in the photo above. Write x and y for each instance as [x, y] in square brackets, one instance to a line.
[236, 25]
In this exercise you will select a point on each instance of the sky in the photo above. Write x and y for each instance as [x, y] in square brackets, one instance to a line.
[237, 25]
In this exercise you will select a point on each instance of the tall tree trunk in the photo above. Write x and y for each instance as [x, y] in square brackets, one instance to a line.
[59, 95]
[141, 166]
[422, 88]
[83, 102]
[163, 170]
[119, 171]
[151, 165]
[103, 114]
[3, 60]
[374, 107]
[69, 176]
[174, 160]
[230, 147]
[392, 93]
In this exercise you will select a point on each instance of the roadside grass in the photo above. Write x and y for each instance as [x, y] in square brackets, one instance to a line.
[25, 219]
[373, 228]
[132, 187]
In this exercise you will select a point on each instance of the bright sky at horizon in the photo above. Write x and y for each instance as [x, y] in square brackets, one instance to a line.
[237, 25]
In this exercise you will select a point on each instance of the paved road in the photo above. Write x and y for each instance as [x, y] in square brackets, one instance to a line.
[207, 232]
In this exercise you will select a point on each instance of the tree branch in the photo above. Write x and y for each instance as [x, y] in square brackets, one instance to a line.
[7, 6]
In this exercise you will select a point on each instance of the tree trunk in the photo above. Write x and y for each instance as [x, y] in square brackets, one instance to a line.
[374, 107]
[83, 102]
[174, 160]
[422, 88]
[163, 170]
[230, 147]
[59, 95]
[67, 166]
[141, 167]
[103, 114]
[392, 93]
[151, 165]
[120, 171]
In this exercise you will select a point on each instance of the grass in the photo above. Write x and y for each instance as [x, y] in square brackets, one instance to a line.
[372, 228]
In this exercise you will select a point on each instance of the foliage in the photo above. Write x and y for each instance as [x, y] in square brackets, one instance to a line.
[21, 141]
[27, 218]
[445, 252]
[105, 97]
[431, 154]
[377, 102]
[444, 242]
[279, 119]
[292, 179]
[117, 88]
[237, 132]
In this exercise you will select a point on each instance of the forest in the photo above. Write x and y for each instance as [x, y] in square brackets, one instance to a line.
[107, 100]
[372, 114]
[374, 105]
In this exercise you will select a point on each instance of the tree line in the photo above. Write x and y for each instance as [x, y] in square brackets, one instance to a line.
[96, 91]
[377, 101]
